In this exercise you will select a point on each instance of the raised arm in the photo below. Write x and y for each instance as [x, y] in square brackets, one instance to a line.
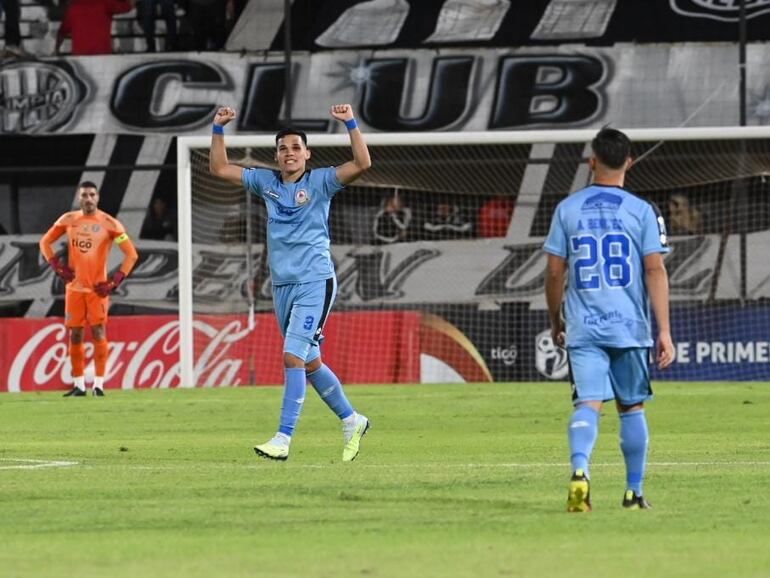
[351, 170]
[656, 279]
[218, 163]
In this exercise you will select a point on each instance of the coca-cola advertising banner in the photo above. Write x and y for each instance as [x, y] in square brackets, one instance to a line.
[144, 351]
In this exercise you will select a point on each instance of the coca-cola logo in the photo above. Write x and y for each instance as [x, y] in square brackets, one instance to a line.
[42, 362]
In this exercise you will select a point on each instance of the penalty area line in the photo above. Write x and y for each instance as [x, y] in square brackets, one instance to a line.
[29, 464]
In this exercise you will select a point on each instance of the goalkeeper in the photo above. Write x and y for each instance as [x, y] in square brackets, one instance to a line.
[301, 268]
[90, 234]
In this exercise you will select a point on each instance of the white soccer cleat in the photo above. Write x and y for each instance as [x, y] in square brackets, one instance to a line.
[274, 449]
[352, 433]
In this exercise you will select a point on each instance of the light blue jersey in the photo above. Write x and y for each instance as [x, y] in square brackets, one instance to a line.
[605, 232]
[297, 222]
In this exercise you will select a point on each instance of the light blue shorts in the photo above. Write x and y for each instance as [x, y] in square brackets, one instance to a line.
[606, 373]
[302, 310]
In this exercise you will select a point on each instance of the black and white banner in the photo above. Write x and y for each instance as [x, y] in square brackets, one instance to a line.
[399, 90]
[334, 24]
[483, 272]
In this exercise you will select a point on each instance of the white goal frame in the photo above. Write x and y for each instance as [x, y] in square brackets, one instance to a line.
[184, 183]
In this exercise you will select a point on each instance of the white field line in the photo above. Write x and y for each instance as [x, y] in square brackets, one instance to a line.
[26, 464]
[538, 465]
[30, 464]
[425, 466]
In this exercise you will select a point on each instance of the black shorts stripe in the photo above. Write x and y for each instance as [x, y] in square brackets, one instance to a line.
[327, 307]
[571, 379]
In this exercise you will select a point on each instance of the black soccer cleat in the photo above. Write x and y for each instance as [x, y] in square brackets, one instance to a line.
[633, 502]
[75, 392]
[98, 392]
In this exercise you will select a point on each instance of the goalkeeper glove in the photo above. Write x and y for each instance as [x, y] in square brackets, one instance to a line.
[104, 288]
[61, 269]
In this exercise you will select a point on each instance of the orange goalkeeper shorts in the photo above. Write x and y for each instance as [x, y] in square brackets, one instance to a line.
[81, 307]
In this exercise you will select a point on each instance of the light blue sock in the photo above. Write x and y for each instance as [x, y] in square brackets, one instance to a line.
[293, 398]
[328, 386]
[634, 438]
[583, 431]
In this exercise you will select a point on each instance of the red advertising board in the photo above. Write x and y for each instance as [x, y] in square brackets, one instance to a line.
[362, 347]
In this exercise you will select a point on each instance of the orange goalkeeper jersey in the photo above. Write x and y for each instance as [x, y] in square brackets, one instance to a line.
[89, 239]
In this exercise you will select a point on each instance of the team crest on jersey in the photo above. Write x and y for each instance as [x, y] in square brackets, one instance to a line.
[301, 197]
[95, 228]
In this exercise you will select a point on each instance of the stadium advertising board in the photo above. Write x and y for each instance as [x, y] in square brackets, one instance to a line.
[727, 342]
[718, 343]
[392, 90]
[445, 344]
[144, 351]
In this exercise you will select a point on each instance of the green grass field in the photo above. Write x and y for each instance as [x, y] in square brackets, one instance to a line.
[460, 480]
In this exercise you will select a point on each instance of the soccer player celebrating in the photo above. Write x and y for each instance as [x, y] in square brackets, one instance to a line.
[90, 233]
[304, 282]
[611, 242]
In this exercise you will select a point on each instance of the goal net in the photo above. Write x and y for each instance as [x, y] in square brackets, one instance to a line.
[439, 260]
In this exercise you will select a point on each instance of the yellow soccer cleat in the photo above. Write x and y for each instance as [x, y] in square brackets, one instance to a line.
[275, 449]
[579, 499]
[352, 434]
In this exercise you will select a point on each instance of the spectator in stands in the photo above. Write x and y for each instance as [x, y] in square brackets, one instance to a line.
[159, 223]
[89, 23]
[391, 224]
[12, 31]
[208, 19]
[447, 222]
[149, 12]
[684, 219]
[495, 216]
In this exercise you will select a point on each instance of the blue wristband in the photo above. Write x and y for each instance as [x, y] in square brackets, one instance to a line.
[351, 124]
[218, 129]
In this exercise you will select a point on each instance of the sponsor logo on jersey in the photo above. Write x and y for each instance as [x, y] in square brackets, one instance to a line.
[602, 201]
[724, 10]
[663, 233]
[82, 244]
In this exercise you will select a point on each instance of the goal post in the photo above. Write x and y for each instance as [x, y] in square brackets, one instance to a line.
[466, 287]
